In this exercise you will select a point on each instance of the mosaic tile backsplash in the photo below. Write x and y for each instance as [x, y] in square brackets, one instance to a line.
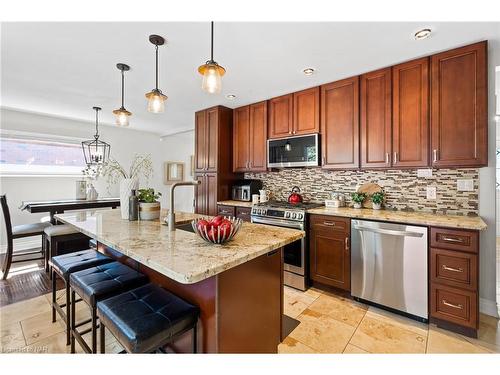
[404, 190]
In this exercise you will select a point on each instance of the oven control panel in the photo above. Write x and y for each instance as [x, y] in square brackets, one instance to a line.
[294, 215]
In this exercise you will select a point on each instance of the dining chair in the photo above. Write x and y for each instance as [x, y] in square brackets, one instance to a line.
[19, 231]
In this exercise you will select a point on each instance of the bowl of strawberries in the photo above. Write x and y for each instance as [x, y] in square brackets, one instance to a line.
[217, 230]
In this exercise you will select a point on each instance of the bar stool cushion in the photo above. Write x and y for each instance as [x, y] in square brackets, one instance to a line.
[66, 264]
[30, 229]
[146, 318]
[103, 281]
[60, 230]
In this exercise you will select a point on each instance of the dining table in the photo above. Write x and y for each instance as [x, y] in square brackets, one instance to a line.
[59, 206]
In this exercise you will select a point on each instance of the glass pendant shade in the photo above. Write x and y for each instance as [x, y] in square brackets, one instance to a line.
[95, 151]
[156, 101]
[122, 117]
[212, 77]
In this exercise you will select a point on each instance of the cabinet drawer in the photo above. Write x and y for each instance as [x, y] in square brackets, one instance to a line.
[455, 239]
[330, 222]
[225, 210]
[454, 305]
[454, 268]
[243, 213]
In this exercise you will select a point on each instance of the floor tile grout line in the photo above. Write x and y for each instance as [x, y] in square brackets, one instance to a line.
[355, 330]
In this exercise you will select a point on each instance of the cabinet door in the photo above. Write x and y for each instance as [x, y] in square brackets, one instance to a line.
[211, 195]
[306, 111]
[241, 139]
[459, 124]
[281, 116]
[376, 119]
[410, 114]
[212, 139]
[340, 124]
[330, 260]
[201, 194]
[244, 213]
[258, 137]
[200, 141]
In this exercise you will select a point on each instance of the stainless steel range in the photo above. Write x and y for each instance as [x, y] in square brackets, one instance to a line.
[284, 214]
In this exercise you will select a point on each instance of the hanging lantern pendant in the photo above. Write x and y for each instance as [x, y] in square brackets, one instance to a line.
[156, 99]
[121, 114]
[96, 152]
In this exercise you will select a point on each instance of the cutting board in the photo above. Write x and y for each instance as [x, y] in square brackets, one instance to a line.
[369, 189]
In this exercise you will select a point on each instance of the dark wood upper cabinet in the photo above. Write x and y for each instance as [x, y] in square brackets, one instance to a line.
[212, 147]
[258, 137]
[200, 141]
[375, 100]
[249, 138]
[241, 141]
[281, 116]
[340, 124]
[306, 111]
[459, 123]
[410, 114]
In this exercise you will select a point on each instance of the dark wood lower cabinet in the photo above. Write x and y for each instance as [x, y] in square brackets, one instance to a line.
[329, 251]
[242, 213]
[224, 210]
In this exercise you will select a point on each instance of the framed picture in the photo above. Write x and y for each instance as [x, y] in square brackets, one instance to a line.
[173, 172]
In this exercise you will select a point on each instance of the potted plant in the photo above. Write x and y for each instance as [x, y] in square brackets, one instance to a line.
[377, 199]
[358, 199]
[149, 207]
[142, 165]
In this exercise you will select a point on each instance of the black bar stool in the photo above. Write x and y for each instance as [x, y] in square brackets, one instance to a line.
[63, 266]
[57, 234]
[93, 285]
[146, 319]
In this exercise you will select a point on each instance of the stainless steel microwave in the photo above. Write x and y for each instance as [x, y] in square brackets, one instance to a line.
[298, 151]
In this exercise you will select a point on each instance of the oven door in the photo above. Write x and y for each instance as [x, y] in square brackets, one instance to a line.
[293, 253]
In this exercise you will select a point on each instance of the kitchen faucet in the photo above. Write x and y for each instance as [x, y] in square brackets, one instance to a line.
[171, 213]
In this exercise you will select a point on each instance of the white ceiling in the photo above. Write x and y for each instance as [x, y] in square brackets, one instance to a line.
[64, 69]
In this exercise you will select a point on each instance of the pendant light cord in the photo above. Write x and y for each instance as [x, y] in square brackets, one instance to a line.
[212, 44]
[123, 80]
[96, 136]
[156, 67]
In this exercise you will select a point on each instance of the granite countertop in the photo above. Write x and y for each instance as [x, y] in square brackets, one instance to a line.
[422, 218]
[180, 255]
[235, 203]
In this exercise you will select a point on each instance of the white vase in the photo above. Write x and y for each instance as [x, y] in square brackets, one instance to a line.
[377, 206]
[357, 205]
[126, 187]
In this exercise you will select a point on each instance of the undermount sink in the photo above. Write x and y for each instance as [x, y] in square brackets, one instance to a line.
[186, 227]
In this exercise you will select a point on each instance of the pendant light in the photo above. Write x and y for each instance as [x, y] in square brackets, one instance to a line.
[96, 152]
[211, 71]
[121, 113]
[156, 100]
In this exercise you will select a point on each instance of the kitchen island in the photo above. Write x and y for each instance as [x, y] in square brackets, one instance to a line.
[238, 285]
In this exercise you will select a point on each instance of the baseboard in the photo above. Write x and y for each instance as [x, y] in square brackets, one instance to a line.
[24, 244]
[488, 307]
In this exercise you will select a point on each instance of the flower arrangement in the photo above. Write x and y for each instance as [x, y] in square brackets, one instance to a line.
[358, 199]
[142, 165]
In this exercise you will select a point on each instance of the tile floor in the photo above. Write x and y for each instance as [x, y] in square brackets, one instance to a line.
[329, 324]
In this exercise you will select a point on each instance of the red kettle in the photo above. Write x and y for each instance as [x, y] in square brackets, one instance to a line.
[295, 197]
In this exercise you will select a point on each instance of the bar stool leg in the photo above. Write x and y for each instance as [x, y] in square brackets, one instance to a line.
[73, 319]
[54, 299]
[68, 315]
[195, 337]
[102, 335]
[94, 329]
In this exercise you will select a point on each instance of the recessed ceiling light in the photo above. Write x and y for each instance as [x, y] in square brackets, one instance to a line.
[422, 34]
[230, 96]
[308, 71]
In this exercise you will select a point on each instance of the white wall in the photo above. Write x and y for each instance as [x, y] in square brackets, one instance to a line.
[124, 143]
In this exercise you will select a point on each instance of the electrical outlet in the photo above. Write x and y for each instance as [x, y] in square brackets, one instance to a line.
[425, 173]
[431, 192]
[465, 185]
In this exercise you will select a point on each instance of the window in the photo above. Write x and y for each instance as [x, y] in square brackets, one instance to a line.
[30, 156]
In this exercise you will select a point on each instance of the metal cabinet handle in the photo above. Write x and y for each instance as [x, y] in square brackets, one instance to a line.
[395, 157]
[324, 160]
[329, 223]
[347, 244]
[435, 155]
[290, 132]
[446, 303]
[452, 239]
[387, 158]
[446, 268]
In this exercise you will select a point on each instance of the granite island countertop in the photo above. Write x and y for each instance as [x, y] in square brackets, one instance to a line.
[179, 255]
[418, 218]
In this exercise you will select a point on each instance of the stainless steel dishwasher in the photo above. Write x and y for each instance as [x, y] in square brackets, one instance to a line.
[389, 266]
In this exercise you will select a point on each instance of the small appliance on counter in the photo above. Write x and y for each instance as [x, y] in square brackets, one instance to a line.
[244, 189]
